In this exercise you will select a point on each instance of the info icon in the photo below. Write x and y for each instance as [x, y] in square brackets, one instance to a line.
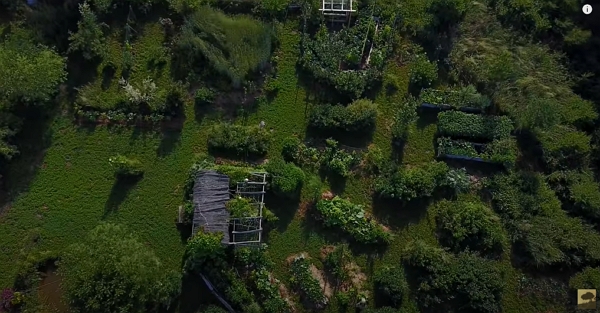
[586, 299]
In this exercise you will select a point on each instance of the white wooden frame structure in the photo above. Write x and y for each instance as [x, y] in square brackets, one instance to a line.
[336, 7]
[247, 231]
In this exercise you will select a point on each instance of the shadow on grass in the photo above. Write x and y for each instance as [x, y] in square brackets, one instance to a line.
[354, 139]
[284, 209]
[398, 150]
[170, 140]
[119, 192]
[397, 214]
[32, 141]
[185, 232]
[194, 296]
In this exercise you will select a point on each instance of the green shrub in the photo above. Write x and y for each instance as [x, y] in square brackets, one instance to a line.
[391, 284]
[422, 72]
[187, 6]
[564, 147]
[303, 280]
[335, 262]
[543, 234]
[358, 116]
[374, 161]
[588, 278]
[447, 281]
[125, 166]
[578, 191]
[89, 38]
[286, 179]
[241, 207]
[407, 184]
[467, 225]
[296, 151]
[238, 139]
[338, 161]
[460, 124]
[233, 46]
[351, 219]
[205, 253]
[204, 96]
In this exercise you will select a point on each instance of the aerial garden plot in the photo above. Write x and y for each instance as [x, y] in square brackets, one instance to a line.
[268, 156]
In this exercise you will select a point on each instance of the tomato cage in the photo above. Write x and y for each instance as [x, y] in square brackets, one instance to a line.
[247, 231]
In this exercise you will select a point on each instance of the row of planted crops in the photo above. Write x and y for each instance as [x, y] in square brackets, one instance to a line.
[465, 129]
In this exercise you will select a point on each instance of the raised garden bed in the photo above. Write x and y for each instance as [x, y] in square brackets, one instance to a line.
[465, 99]
[471, 126]
[500, 151]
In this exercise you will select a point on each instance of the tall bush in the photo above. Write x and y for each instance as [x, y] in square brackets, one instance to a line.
[407, 184]
[422, 72]
[89, 38]
[287, 179]
[238, 139]
[358, 116]
[125, 166]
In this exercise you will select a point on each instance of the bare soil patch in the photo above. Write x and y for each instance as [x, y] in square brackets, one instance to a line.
[323, 282]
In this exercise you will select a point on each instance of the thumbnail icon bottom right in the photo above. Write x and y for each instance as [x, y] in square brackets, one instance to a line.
[586, 299]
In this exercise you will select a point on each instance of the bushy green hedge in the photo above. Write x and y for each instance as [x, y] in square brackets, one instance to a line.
[238, 139]
[564, 147]
[589, 278]
[502, 151]
[338, 161]
[286, 179]
[351, 219]
[448, 281]
[391, 284]
[469, 225]
[303, 280]
[423, 72]
[332, 159]
[294, 150]
[458, 98]
[460, 124]
[358, 116]
[405, 115]
[542, 233]
[410, 183]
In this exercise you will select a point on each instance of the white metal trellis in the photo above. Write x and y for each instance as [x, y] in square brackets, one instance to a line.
[247, 231]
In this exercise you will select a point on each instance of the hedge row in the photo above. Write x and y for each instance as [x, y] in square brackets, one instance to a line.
[460, 124]
[238, 139]
[502, 151]
[359, 115]
[464, 97]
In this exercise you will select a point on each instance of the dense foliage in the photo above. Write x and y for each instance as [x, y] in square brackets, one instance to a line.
[358, 116]
[460, 124]
[89, 38]
[338, 161]
[542, 233]
[423, 72]
[241, 207]
[233, 47]
[564, 147]
[238, 139]
[410, 183]
[351, 218]
[445, 282]
[112, 271]
[286, 178]
[391, 283]
[470, 226]
[337, 59]
[578, 192]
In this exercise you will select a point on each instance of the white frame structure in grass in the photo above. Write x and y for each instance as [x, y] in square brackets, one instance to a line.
[336, 7]
[247, 231]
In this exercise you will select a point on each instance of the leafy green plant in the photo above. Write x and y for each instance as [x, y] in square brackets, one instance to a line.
[502, 151]
[460, 124]
[335, 262]
[287, 179]
[391, 284]
[462, 97]
[296, 151]
[338, 161]
[351, 218]
[405, 116]
[358, 116]
[125, 166]
[407, 184]
[564, 147]
[89, 38]
[204, 96]
[205, 253]
[468, 225]
[241, 207]
[303, 280]
[422, 72]
[238, 139]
